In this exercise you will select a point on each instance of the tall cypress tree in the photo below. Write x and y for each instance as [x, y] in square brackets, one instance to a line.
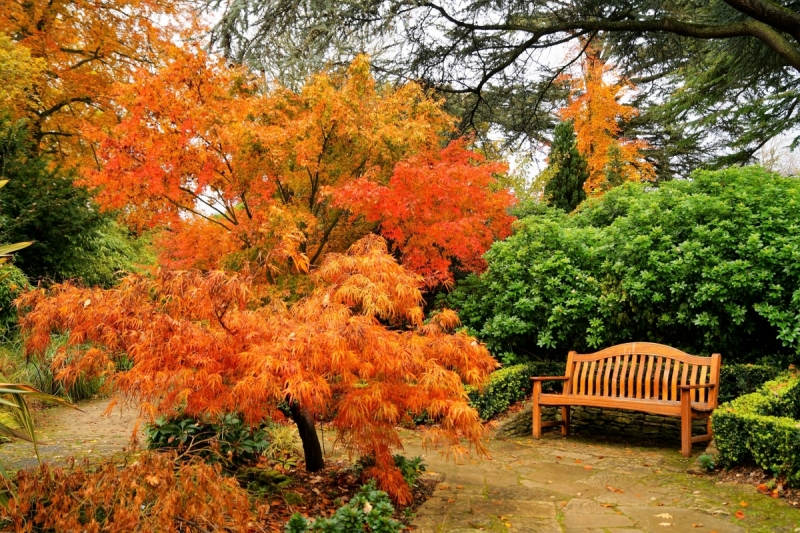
[569, 170]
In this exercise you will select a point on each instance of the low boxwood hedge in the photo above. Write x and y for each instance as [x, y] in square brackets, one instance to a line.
[763, 427]
[513, 384]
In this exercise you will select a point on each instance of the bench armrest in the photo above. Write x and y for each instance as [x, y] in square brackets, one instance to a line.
[550, 378]
[698, 386]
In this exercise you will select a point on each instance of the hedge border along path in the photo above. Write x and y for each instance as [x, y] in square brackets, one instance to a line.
[763, 427]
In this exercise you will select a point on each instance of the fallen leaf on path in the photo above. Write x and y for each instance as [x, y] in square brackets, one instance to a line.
[665, 524]
[587, 467]
[459, 487]
[577, 461]
[665, 516]
[607, 504]
[739, 514]
[451, 500]
[614, 489]
[743, 503]
[697, 525]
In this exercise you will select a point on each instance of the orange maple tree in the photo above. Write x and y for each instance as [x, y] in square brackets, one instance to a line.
[236, 174]
[86, 47]
[596, 111]
[355, 351]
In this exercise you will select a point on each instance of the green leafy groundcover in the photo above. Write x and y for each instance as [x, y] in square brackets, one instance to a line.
[710, 264]
[763, 427]
[513, 384]
[369, 511]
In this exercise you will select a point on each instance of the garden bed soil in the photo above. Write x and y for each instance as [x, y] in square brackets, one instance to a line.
[320, 494]
[763, 481]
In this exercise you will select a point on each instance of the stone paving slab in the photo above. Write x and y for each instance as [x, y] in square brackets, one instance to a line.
[576, 485]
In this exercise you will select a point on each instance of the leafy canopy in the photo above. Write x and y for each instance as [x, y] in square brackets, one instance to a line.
[723, 74]
[237, 175]
[202, 344]
[597, 114]
[707, 264]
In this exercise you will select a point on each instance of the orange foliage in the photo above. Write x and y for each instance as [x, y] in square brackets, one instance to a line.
[437, 208]
[86, 47]
[155, 493]
[203, 153]
[355, 350]
[596, 112]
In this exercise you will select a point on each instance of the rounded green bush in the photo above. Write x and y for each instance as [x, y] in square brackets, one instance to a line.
[709, 264]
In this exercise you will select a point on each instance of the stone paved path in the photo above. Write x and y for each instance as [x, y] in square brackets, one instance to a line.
[577, 485]
[553, 485]
[63, 432]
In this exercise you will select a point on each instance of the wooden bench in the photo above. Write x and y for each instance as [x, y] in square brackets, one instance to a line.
[639, 376]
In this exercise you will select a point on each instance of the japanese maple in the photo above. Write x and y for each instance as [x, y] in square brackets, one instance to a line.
[236, 173]
[355, 351]
[439, 207]
[86, 46]
[596, 111]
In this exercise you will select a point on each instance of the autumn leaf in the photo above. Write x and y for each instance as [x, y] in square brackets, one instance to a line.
[665, 516]
[739, 514]
[743, 503]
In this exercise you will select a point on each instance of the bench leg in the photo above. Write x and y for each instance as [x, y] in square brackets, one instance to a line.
[686, 423]
[565, 418]
[536, 410]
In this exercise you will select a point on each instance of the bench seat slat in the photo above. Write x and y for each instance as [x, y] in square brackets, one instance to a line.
[635, 404]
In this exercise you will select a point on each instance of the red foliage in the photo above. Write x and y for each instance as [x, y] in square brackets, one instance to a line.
[355, 350]
[437, 208]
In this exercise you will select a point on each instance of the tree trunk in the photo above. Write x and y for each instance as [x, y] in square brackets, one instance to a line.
[308, 435]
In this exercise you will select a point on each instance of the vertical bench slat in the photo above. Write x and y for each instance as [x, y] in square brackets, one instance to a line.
[665, 380]
[703, 380]
[598, 380]
[676, 370]
[635, 363]
[693, 381]
[622, 372]
[615, 363]
[640, 375]
[606, 384]
[590, 384]
[685, 375]
[648, 377]
[657, 377]
[584, 368]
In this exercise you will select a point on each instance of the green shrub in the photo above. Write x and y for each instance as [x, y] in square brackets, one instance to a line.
[512, 384]
[12, 284]
[706, 265]
[367, 511]
[739, 379]
[762, 427]
[410, 468]
[229, 440]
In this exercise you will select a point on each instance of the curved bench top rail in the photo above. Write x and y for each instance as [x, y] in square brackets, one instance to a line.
[642, 348]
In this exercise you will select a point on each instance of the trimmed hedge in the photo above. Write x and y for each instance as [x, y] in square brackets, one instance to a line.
[513, 384]
[763, 427]
[738, 380]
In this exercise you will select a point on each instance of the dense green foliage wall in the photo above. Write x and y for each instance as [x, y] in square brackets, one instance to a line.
[710, 264]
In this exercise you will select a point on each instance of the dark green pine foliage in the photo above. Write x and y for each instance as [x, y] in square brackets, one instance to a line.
[41, 203]
[564, 189]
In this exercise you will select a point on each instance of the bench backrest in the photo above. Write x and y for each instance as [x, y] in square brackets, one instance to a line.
[643, 370]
